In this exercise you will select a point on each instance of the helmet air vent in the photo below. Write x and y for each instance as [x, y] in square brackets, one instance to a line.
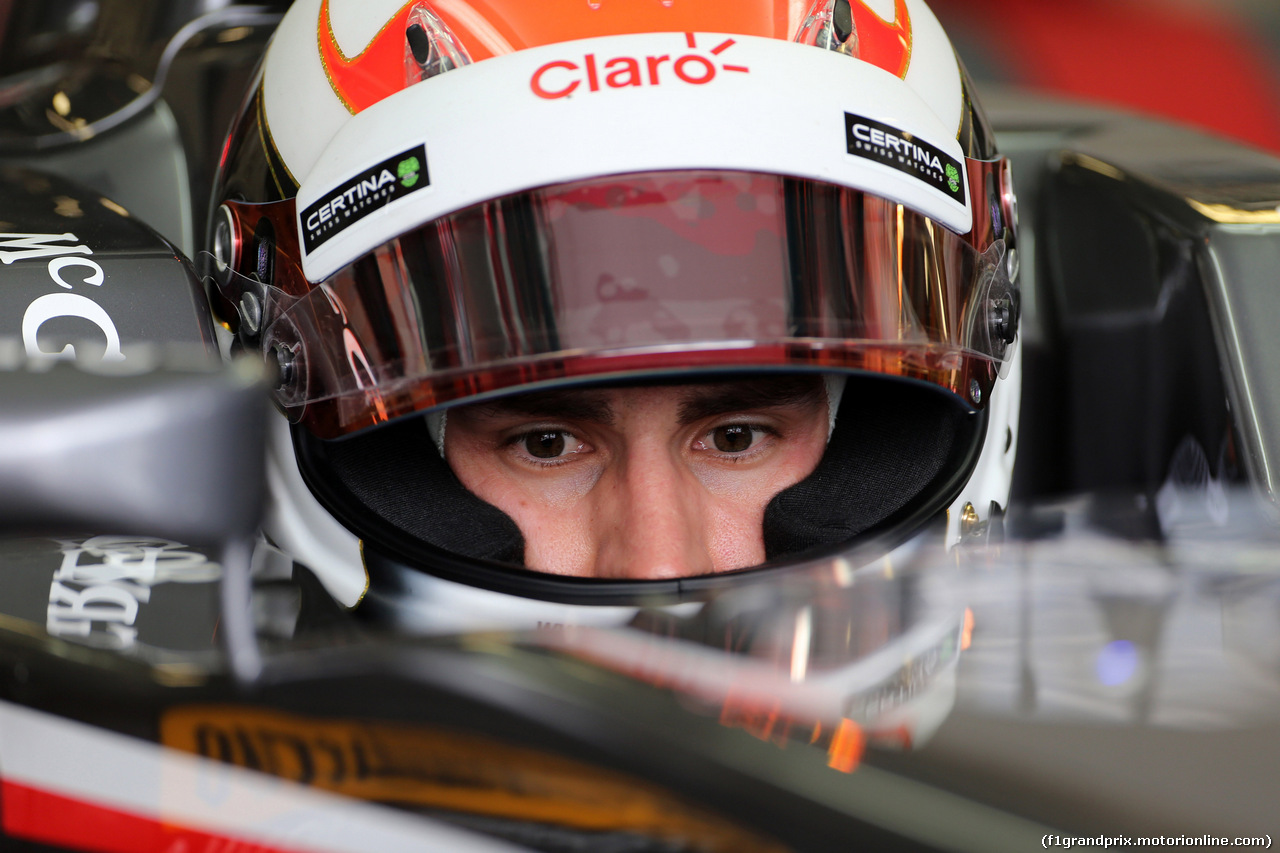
[829, 25]
[431, 48]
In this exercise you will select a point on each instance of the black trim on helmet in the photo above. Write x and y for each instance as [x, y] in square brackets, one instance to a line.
[976, 137]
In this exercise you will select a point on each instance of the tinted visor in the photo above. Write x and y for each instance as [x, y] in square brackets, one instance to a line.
[647, 274]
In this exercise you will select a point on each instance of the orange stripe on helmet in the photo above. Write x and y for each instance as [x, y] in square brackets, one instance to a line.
[373, 74]
[378, 70]
[880, 42]
[531, 24]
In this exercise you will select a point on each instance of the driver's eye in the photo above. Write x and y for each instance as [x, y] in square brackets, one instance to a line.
[733, 438]
[547, 444]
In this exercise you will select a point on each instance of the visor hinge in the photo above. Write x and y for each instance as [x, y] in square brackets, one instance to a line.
[1004, 319]
[286, 362]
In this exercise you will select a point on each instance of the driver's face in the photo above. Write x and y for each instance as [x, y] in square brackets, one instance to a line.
[641, 482]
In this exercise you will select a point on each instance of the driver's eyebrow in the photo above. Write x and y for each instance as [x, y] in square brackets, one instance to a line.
[722, 398]
[569, 404]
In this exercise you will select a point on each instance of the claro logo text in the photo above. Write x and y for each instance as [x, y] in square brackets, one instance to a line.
[561, 78]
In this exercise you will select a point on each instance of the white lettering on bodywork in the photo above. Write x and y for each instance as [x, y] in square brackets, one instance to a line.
[97, 592]
[22, 247]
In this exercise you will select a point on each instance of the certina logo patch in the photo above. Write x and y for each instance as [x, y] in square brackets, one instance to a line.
[890, 146]
[561, 78]
[373, 189]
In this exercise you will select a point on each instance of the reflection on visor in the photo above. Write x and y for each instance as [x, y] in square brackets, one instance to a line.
[662, 272]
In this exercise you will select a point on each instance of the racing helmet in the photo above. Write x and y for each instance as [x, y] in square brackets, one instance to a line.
[435, 203]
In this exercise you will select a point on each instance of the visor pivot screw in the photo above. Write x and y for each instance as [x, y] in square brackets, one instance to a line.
[975, 391]
[286, 365]
[970, 524]
[1004, 327]
[250, 313]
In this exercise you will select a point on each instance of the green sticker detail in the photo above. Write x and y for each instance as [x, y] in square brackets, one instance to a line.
[408, 171]
[953, 178]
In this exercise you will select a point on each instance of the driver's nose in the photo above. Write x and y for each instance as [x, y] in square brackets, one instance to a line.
[651, 519]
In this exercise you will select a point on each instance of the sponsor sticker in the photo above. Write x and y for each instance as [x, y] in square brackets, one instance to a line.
[372, 189]
[96, 595]
[889, 146]
[68, 269]
[436, 768]
[560, 78]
